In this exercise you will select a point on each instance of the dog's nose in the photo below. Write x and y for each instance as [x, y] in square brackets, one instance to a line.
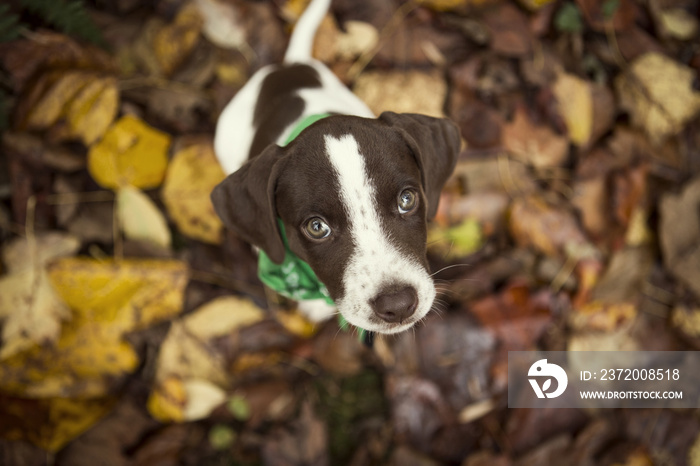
[395, 306]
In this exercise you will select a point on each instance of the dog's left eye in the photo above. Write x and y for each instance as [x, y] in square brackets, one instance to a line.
[408, 200]
[316, 228]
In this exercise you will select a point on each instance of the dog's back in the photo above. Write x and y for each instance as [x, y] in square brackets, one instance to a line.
[278, 97]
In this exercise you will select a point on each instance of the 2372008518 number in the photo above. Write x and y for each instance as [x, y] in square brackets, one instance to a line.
[640, 374]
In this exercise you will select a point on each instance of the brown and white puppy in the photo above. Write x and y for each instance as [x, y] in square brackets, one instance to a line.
[354, 192]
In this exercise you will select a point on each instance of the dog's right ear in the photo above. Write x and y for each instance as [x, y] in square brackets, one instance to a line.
[245, 202]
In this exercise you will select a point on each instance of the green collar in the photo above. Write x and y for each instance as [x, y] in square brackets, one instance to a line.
[294, 278]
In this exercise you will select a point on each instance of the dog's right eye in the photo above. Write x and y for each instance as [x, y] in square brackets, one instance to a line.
[316, 228]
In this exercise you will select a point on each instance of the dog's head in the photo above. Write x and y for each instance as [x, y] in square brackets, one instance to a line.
[354, 195]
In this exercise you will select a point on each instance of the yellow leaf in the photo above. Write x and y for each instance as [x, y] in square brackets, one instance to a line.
[575, 101]
[173, 43]
[131, 153]
[140, 219]
[108, 299]
[53, 102]
[458, 241]
[296, 323]
[167, 401]
[191, 372]
[51, 423]
[191, 176]
[658, 93]
[448, 5]
[221, 316]
[31, 309]
[93, 109]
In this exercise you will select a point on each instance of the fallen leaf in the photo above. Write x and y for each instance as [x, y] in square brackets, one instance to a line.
[658, 93]
[602, 14]
[30, 308]
[679, 232]
[222, 23]
[45, 50]
[50, 423]
[304, 441]
[202, 398]
[678, 23]
[534, 144]
[359, 37]
[189, 180]
[402, 91]
[108, 298]
[458, 241]
[131, 153]
[510, 33]
[174, 42]
[36, 151]
[575, 101]
[551, 230]
[189, 358]
[92, 110]
[46, 111]
[687, 320]
[140, 219]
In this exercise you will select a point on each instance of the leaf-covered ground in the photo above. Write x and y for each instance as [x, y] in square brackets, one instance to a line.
[134, 330]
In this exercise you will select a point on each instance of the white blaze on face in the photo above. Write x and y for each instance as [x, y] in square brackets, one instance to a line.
[375, 264]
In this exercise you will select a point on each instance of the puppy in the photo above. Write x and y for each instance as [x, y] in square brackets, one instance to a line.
[329, 191]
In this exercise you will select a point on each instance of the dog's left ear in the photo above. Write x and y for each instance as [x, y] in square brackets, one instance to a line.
[435, 144]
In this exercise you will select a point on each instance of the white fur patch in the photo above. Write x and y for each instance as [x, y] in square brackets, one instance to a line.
[375, 264]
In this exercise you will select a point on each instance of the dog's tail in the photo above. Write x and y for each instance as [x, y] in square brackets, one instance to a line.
[301, 43]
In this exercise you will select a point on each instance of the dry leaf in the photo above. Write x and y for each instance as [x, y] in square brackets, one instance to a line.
[551, 230]
[360, 37]
[131, 153]
[679, 232]
[509, 31]
[222, 23]
[108, 298]
[50, 423]
[191, 372]
[30, 309]
[574, 96]
[679, 24]
[86, 101]
[140, 219]
[173, 43]
[537, 145]
[47, 110]
[658, 93]
[93, 109]
[402, 91]
[192, 175]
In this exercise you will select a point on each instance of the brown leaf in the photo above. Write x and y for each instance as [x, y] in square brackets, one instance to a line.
[510, 32]
[303, 442]
[550, 229]
[26, 58]
[680, 233]
[36, 152]
[399, 91]
[534, 144]
[594, 13]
